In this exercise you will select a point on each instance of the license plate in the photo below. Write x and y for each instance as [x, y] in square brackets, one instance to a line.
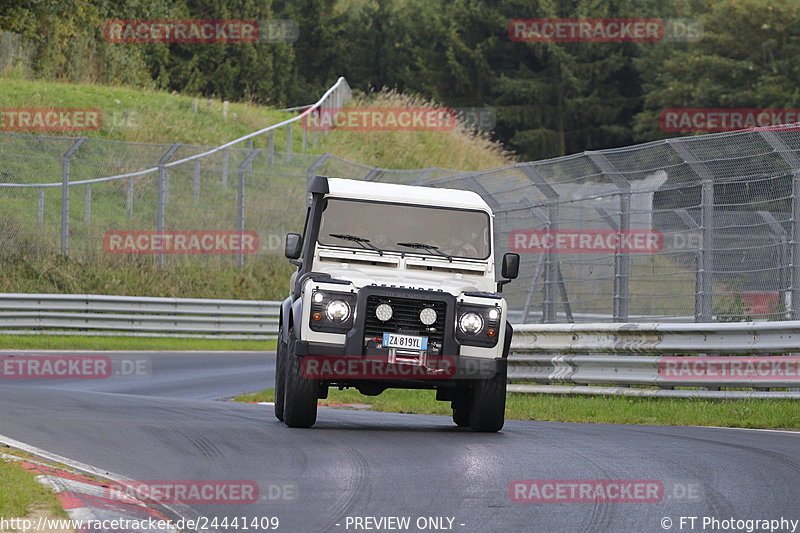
[409, 342]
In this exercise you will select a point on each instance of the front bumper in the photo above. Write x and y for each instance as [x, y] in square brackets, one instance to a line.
[465, 367]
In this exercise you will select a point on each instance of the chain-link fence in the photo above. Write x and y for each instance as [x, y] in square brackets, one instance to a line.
[692, 229]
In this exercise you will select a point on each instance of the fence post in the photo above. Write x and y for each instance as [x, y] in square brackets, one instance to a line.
[65, 193]
[793, 161]
[288, 142]
[196, 188]
[704, 308]
[622, 259]
[551, 278]
[129, 198]
[161, 196]
[87, 204]
[40, 211]
[270, 148]
[240, 203]
[225, 169]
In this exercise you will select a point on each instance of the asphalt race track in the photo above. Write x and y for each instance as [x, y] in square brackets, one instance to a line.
[168, 425]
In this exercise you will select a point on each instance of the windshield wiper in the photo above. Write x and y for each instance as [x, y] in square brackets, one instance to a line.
[364, 243]
[424, 246]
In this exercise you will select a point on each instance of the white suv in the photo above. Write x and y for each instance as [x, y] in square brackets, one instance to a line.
[395, 288]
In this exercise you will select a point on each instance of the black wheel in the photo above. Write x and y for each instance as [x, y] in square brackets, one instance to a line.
[300, 394]
[280, 378]
[488, 404]
[462, 407]
[461, 415]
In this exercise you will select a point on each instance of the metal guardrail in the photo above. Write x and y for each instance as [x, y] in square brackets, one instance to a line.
[586, 358]
[89, 314]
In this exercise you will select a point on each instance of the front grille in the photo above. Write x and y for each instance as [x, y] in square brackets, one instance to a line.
[405, 318]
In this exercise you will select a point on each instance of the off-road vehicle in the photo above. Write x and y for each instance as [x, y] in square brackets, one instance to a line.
[395, 288]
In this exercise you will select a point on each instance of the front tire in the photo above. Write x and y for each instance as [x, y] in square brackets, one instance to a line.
[489, 404]
[300, 396]
[280, 378]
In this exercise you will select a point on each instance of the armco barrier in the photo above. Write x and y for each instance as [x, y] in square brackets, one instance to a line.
[89, 314]
[579, 358]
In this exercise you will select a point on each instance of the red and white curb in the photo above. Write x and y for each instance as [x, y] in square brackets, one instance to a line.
[87, 499]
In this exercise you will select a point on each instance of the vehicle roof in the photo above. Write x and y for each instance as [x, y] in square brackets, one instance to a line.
[407, 194]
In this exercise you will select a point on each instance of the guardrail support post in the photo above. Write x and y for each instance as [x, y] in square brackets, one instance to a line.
[65, 193]
[243, 167]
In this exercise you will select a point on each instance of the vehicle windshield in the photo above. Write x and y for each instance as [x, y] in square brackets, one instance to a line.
[454, 232]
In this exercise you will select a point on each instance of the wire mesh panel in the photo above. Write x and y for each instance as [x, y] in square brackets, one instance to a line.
[691, 229]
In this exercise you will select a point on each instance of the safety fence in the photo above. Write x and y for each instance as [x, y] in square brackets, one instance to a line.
[703, 228]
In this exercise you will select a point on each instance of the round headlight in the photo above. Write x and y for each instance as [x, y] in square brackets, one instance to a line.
[427, 316]
[494, 314]
[384, 312]
[337, 311]
[470, 323]
[318, 297]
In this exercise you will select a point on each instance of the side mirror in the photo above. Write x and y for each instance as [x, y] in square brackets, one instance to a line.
[509, 270]
[294, 246]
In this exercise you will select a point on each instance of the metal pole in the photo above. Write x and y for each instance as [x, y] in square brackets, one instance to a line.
[794, 267]
[87, 205]
[288, 142]
[705, 259]
[129, 198]
[161, 199]
[270, 148]
[65, 193]
[550, 301]
[707, 251]
[243, 167]
[196, 181]
[225, 169]
[40, 213]
[622, 258]
[305, 140]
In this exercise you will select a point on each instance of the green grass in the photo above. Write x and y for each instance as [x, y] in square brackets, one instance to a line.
[69, 342]
[765, 414]
[20, 493]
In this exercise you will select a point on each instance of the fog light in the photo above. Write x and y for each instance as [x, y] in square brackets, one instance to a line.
[384, 312]
[427, 316]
